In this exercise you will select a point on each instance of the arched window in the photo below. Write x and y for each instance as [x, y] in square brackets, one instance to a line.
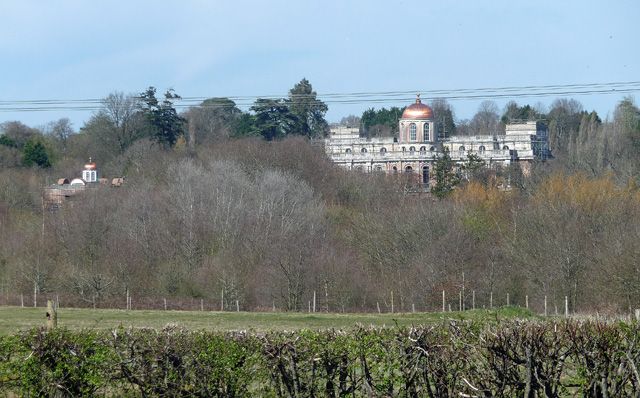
[461, 149]
[395, 169]
[432, 149]
[423, 149]
[378, 168]
[412, 149]
[412, 132]
[89, 175]
[425, 130]
[404, 149]
[383, 151]
[408, 169]
[506, 148]
[481, 149]
[348, 150]
[425, 175]
[363, 150]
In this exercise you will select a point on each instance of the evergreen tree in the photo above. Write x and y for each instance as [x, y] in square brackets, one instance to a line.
[382, 122]
[6, 141]
[35, 153]
[515, 113]
[244, 125]
[165, 123]
[446, 177]
[272, 118]
[307, 111]
[473, 167]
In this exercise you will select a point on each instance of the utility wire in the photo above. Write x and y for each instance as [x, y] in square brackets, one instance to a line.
[376, 97]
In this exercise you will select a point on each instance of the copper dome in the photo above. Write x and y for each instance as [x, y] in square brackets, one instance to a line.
[418, 110]
[90, 166]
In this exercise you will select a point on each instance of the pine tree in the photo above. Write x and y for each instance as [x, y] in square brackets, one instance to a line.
[307, 111]
[473, 166]
[35, 153]
[165, 123]
[446, 177]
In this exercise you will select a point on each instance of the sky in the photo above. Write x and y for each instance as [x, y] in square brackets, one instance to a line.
[74, 50]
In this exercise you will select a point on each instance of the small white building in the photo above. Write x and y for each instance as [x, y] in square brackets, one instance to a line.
[90, 173]
[55, 194]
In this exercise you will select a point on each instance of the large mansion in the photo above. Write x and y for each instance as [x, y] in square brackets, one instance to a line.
[418, 146]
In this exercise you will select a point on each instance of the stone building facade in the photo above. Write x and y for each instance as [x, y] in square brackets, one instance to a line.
[418, 147]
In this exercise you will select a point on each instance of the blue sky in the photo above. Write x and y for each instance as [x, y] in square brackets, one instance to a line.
[86, 49]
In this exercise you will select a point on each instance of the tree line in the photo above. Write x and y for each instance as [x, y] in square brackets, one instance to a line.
[123, 119]
[270, 221]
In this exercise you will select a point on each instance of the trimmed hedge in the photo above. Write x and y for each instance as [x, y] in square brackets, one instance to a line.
[459, 359]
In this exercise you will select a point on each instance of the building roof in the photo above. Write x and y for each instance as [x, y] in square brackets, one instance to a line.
[90, 166]
[418, 111]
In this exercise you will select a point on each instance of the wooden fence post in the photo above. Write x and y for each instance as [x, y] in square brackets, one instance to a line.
[314, 301]
[52, 315]
[392, 301]
[566, 306]
[507, 299]
[545, 306]
[473, 299]
[526, 301]
[237, 306]
[444, 309]
[462, 307]
[326, 295]
[201, 304]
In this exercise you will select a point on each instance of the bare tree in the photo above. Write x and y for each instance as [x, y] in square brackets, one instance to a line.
[350, 121]
[486, 120]
[61, 130]
[118, 123]
[18, 132]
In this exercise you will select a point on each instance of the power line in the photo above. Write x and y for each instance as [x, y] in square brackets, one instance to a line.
[374, 97]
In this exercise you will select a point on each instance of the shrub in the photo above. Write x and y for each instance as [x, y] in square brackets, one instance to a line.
[457, 359]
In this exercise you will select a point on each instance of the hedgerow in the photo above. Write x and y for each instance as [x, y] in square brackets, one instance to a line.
[508, 359]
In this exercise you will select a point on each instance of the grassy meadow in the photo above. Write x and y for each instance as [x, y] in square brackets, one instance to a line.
[15, 319]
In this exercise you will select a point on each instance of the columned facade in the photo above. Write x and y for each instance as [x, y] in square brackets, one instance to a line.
[417, 147]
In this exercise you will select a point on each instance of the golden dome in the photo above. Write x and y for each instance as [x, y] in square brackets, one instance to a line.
[418, 110]
[90, 166]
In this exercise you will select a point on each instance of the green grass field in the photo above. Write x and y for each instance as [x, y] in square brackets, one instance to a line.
[14, 319]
